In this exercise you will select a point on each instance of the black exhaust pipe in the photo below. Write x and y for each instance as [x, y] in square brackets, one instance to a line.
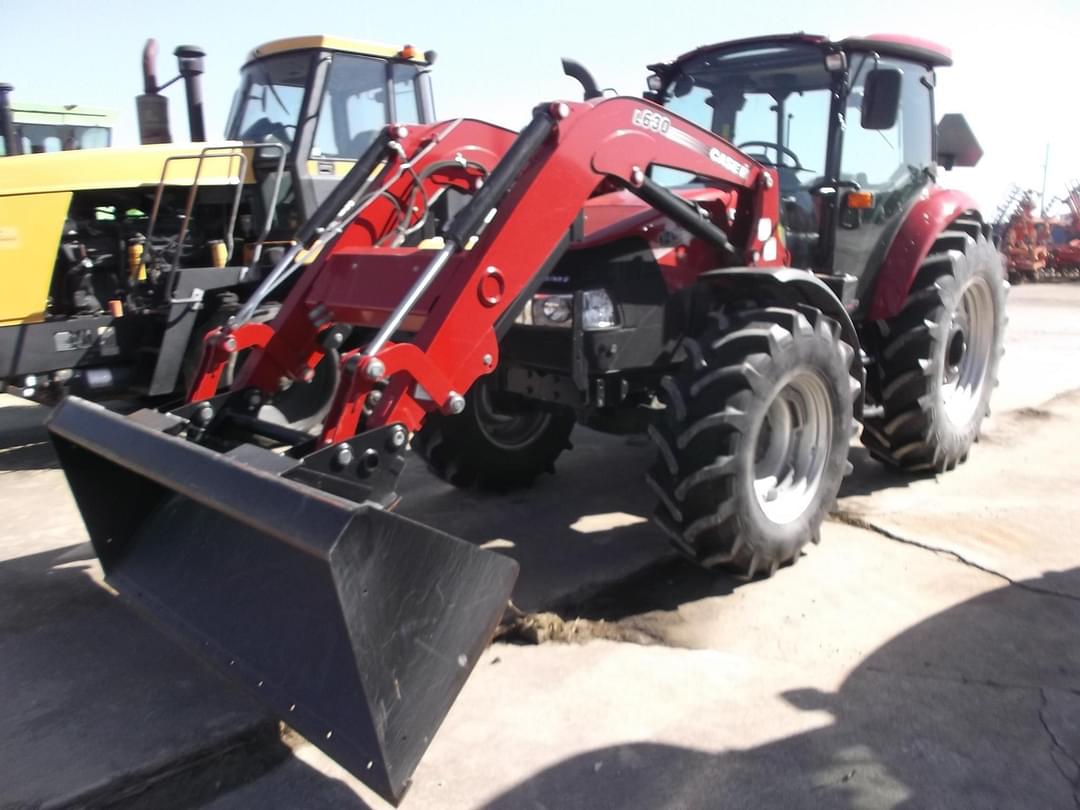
[12, 145]
[190, 58]
[152, 108]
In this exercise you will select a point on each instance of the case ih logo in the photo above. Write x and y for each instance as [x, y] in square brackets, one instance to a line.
[647, 119]
[740, 170]
[657, 122]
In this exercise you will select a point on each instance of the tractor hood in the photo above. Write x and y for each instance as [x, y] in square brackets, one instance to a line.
[133, 167]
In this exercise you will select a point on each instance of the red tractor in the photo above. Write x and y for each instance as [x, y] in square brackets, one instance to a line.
[748, 263]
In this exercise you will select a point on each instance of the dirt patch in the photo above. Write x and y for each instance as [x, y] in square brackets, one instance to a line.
[543, 628]
[641, 608]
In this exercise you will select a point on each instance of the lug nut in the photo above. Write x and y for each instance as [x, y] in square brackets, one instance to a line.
[375, 369]
[455, 403]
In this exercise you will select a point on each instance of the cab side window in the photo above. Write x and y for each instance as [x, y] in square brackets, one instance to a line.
[353, 108]
[890, 158]
[406, 102]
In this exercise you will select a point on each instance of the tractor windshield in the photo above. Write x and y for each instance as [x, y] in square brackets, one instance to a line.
[771, 102]
[271, 95]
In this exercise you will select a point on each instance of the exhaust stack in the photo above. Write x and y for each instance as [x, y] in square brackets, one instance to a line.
[152, 108]
[12, 145]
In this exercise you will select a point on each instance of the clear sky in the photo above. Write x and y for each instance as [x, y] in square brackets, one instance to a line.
[1015, 76]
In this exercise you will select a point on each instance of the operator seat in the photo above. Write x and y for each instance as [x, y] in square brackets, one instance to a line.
[798, 217]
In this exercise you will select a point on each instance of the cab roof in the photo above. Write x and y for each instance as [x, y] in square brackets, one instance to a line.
[326, 42]
[898, 45]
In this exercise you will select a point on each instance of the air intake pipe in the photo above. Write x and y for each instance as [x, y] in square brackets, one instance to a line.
[12, 145]
[190, 59]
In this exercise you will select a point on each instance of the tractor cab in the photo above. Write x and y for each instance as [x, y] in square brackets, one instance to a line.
[324, 99]
[848, 125]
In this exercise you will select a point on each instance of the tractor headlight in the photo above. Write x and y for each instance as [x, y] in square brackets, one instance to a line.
[597, 310]
[553, 310]
[557, 310]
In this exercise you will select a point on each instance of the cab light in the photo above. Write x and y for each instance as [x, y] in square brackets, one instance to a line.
[860, 199]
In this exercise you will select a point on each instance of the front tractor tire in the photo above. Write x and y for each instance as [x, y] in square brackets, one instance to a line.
[753, 441]
[938, 358]
[496, 444]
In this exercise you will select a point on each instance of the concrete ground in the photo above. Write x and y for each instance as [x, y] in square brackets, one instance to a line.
[924, 655]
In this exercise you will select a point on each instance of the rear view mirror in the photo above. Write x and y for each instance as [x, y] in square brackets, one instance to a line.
[881, 98]
[683, 85]
[956, 143]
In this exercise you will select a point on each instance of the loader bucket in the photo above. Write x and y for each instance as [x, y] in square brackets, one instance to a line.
[357, 627]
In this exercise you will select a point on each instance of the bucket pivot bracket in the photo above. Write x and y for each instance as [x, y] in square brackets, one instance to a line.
[363, 468]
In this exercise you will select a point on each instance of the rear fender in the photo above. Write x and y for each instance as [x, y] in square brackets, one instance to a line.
[789, 287]
[924, 223]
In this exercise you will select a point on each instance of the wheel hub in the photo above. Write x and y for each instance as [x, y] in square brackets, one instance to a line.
[967, 352]
[954, 353]
[509, 430]
[792, 447]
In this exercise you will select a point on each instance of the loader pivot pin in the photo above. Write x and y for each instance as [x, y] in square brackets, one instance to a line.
[375, 369]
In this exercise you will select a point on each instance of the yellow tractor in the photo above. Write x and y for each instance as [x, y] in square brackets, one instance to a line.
[115, 262]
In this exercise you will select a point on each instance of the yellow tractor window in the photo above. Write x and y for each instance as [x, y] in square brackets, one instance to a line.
[354, 105]
[272, 98]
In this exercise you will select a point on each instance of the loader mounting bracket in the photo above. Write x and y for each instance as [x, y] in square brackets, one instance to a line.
[364, 468]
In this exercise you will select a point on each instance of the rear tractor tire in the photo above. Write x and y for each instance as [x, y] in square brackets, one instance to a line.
[494, 444]
[938, 358]
[753, 440]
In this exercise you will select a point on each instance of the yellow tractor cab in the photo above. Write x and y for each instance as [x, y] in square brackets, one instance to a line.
[115, 262]
[324, 99]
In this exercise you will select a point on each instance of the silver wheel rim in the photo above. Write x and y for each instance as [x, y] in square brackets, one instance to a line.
[792, 447]
[509, 431]
[968, 344]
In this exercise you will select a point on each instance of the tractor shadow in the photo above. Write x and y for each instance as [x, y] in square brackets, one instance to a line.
[977, 706]
[572, 533]
[135, 720]
[587, 530]
[24, 441]
[869, 475]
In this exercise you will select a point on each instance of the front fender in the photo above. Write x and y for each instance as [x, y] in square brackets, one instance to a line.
[924, 223]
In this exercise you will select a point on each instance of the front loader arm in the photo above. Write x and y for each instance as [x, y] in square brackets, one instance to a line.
[393, 183]
[535, 194]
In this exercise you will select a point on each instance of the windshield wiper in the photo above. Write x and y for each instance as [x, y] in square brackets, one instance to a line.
[269, 84]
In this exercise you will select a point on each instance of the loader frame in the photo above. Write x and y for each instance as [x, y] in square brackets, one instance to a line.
[532, 195]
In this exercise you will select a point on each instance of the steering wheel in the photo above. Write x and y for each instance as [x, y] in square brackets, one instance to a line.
[781, 152]
[264, 129]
